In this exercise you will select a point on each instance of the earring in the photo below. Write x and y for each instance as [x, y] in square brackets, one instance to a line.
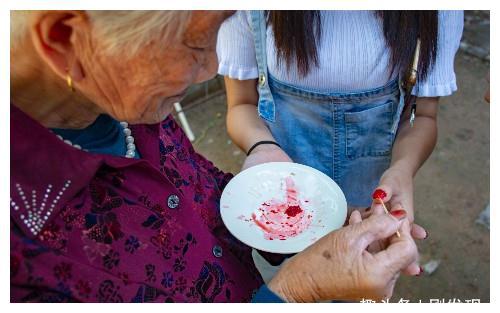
[69, 81]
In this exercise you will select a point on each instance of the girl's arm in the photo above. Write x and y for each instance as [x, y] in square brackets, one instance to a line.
[415, 144]
[244, 125]
[412, 147]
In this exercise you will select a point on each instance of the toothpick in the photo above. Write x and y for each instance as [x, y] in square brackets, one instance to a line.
[387, 212]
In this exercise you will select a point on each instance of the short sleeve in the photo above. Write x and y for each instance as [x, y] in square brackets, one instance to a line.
[441, 80]
[235, 48]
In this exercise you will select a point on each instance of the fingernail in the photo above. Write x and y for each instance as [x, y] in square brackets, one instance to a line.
[426, 234]
[379, 194]
[421, 271]
[399, 214]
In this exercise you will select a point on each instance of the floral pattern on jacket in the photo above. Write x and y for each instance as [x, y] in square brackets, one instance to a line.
[124, 230]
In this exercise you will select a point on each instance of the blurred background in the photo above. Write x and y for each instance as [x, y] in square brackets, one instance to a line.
[451, 190]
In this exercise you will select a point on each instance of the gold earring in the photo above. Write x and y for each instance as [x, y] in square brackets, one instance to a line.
[69, 81]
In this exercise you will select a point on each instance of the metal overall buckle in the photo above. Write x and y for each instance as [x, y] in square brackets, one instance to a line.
[410, 82]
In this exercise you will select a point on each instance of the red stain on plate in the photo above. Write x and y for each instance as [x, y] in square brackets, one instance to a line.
[280, 219]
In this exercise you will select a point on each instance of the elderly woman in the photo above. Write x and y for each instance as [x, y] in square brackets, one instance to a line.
[109, 201]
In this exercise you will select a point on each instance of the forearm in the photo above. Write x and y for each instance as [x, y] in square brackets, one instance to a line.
[415, 144]
[245, 127]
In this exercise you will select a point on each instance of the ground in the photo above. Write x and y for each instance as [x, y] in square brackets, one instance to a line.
[451, 189]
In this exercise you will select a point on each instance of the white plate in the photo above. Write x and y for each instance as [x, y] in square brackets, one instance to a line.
[319, 196]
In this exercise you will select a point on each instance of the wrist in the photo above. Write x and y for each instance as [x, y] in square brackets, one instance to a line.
[279, 287]
[266, 145]
[402, 168]
[292, 285]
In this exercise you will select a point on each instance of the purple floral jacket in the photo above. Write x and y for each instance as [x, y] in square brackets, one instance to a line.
[99, 228]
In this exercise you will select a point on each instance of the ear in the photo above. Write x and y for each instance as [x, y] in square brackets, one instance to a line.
[53, 36]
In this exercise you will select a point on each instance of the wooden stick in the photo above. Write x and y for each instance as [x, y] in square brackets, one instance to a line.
[387, 212]
[184, 121]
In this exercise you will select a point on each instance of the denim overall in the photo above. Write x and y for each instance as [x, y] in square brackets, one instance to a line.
[347, 136]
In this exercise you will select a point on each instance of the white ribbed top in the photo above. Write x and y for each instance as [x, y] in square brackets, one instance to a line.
[353, 55]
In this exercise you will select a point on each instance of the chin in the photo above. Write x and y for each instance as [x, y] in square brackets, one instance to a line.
[158, 113]
[156, 117]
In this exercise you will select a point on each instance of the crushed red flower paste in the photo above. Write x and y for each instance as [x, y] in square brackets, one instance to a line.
[283, 219]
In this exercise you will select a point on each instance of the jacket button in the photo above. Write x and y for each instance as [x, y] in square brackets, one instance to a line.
[217, 251]
[173, 201]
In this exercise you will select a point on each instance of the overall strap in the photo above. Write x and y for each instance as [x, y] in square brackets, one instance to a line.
[401, 105]
[266, 107]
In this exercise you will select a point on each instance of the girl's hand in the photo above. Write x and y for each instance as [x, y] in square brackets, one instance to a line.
[265, 154]
[396, 190]
[396, 186]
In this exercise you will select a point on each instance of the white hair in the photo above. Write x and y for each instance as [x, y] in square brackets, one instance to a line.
[19, 21]
[118, 31]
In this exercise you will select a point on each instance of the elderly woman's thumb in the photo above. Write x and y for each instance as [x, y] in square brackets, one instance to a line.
[379, 227]
[401, 252]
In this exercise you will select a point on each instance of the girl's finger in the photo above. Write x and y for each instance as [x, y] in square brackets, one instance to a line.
[413, 270]
[382, 192]
[418, 232]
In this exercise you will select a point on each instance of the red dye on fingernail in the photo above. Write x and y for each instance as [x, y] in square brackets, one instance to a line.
[421, 270]
[283, 219]
[399, 214]
[379, 194]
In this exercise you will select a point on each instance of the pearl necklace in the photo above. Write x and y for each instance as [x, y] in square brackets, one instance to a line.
[129, 141]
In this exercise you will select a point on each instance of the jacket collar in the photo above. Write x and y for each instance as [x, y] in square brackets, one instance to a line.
[46, 172]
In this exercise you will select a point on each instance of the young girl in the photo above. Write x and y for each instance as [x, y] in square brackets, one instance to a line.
[324, 88]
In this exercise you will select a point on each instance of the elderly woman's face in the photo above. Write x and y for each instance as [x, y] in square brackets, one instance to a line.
[144, 88]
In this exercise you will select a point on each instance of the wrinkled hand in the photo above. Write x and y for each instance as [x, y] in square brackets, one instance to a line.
[377, 209]
[265, 154]
[338, 266]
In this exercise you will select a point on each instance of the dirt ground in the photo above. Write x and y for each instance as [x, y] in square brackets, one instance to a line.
[451, 189]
